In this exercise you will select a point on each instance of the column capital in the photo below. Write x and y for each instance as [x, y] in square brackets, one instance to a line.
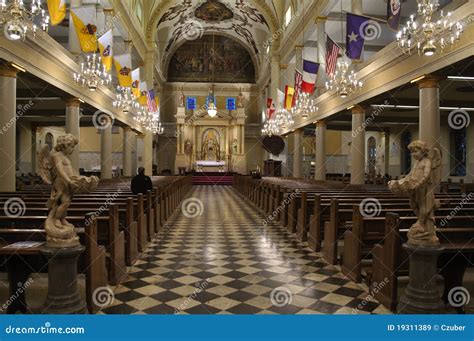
[299, 47]
[321, 123]
[109, 11]
[358, 109]
[429, 81]
[283, 66]
[320, 19]
[8, 71]
[127, 129]
[72, 102]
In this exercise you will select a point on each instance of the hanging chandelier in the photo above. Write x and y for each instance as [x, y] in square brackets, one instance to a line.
[150, 121]
[270, 128]
[93, 73]
[211, 105]
[283, 118]
[428, 36]
[343, 81]
[17, 20]
[304, 105]
[125, 100]
[141, 115]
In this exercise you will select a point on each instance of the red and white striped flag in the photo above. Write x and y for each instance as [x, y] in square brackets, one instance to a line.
[332, 53]
[151, 101]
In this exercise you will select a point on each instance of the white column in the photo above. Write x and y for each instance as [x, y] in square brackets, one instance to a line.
[386, 145]
[73, 116]
[429, 111]
[299, 57]
[356, 7]
[8, 128]
[358, 146]
[321, 56]
[106, 149]
[147, 157]
[297, 152]
[74, 45]
[320, 161]
[275, 78]
[127, 151]
[134, 151]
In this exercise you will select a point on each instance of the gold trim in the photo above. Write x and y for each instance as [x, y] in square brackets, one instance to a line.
[429, 81]
[73, 102]
[358, 109]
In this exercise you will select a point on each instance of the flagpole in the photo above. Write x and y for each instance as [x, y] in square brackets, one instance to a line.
[366, 16]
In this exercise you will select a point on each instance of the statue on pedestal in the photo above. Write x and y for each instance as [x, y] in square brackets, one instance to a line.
[181, 102]
[55, 169]
[240, 100]
[420, 185]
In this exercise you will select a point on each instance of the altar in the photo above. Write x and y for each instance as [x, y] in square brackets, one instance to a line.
[209, 166]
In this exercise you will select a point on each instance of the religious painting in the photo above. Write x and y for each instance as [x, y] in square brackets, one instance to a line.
[211, 59]
[210, 147]
[213, 11]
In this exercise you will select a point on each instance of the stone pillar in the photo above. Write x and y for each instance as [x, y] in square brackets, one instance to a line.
[73, 126]
[128, 46]
[386, 154]
[275, 78]
[127, 151]
[8, 128]
[148, 153]
[429, 111]
[108, 18]
[358, 146]
[320, 163]
[106, 149]
[356, 7]
[299, 57]
[134, 150]
[74, 45]
[298, 138]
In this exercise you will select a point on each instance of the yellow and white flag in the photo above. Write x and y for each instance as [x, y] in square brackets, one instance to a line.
[136, 82]
[57, 11]
[85, 25]
[106, 43]
[123, 65]
[142, 100]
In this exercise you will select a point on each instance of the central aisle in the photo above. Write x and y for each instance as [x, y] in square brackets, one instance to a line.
[218, 257]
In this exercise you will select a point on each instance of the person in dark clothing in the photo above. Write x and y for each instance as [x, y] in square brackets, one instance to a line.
[141, 183]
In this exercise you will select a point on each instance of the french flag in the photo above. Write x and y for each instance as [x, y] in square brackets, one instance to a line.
[310, 70]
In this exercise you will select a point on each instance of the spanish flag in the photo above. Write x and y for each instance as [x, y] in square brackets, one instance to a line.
[123, 65]
[57, 11]
[289, 93]
[106, 43]
[85, 25]
[136, 82]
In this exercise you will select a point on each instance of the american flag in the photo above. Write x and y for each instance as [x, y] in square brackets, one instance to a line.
[151, 101]
[332, 52]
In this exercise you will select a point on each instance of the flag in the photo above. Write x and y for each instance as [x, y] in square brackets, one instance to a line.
[151, 101]
[143, 99]
[57, 11]
[332, 52]
[394, 8]
[310, 71]
[354, 35]
[106, 43]
[281, 99]
[136, 82]
[123, 66]
[270, 108]
[298, 84]
[289, 93]
[85, 26]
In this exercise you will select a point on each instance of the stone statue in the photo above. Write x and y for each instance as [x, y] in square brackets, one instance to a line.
[420, 185]
[181, 98]
[188, 147]
[240, 100]
[235, 145]
[55, 169]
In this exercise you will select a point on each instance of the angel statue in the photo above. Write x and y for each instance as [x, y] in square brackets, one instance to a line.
[55, 169]
[420, 185]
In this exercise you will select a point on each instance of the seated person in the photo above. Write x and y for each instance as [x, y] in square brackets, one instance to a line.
[141, 183]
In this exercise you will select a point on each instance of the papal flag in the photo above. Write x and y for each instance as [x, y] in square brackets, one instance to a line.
[85, 25]
[57, 11]
[143, 99]
[123, 65]
[136, 82]
[106, 43]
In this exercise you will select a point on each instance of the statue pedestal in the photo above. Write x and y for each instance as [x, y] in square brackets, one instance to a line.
[421, 295]
[63, 295]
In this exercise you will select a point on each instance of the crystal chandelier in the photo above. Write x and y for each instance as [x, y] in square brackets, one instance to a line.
[271, 128]
[283, 118]
[429, 36]
[141, 115]
[17, 20]
[151, 121]
[93, 73]
[304, 105]
[343, 81]
[125, 100]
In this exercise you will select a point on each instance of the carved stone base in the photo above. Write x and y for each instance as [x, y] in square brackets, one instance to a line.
[63, 295]
[421, 295]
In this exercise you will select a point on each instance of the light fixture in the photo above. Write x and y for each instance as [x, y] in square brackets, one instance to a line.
[461, 78]
[150, 121]
[417, 79]
[426, 35]
[93, 73]
[304, 105]
[18, 67]
[17, 20]
[125, 100]
[270, 128]
[211, 106]
[343, 81]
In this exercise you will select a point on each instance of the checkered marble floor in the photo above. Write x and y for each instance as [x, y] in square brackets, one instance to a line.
[216, 257]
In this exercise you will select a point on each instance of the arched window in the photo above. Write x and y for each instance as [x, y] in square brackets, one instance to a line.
[49, 140]
[458, 152]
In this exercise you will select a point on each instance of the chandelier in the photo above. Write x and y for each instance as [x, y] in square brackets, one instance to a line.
[429, 36]
[283, 118]
[141, 115]
[93, 73]
[125, 100]
[304, 105]
[343, 81]
[271, 128]
[151, 121]
[17, 20]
